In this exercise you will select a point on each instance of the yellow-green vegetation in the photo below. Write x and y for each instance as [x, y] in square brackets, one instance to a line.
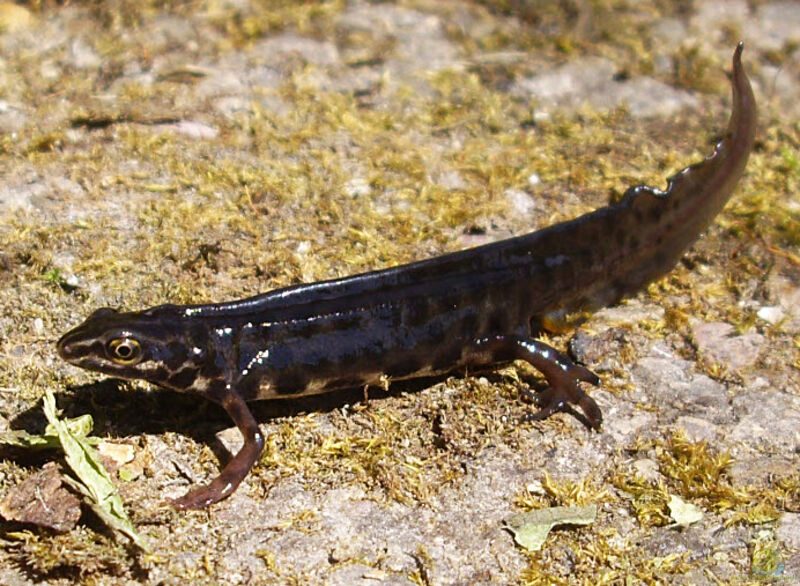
[692, 470]
[697, 472]
[81, 551]
[773, 177]
[308, 18]
[765, 556]
[562, 493]
[601, 557]
[408, 457]
[601, 554]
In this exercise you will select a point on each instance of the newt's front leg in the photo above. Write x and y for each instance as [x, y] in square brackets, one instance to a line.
[563, 375]
[235, 471]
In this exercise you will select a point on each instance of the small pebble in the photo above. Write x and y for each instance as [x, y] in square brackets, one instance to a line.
[771, 314]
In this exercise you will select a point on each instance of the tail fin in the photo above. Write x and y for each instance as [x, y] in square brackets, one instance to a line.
[699, 192]
[667, 222]
[640, 238]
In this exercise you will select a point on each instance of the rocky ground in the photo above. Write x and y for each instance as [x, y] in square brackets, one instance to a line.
[205, 151]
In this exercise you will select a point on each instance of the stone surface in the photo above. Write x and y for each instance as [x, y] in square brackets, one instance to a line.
[592, 81]
[787, 295]
[789, 530]
[767, 417]
[672, 382]
[718, 342]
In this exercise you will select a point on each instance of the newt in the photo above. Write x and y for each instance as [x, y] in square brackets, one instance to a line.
[478, 307]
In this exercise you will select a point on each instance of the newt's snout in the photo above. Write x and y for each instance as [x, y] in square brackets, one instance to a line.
[77, 343]
[71, 347]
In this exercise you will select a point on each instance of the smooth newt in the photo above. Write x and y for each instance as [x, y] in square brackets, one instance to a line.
[473, 308]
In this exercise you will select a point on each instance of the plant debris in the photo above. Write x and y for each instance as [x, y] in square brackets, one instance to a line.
[93, 482]
[531, 529]
[41, 499]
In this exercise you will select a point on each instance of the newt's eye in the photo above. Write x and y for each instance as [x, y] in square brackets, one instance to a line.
[124, 350]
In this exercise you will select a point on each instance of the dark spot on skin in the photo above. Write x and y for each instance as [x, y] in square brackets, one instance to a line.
[404, 367]
[216, 391]
[535, 325]
[469, 324]
[182, 379]
[210, 368]
[327, 324]
[524, 298]
[176, 355]
[249, 388]
[159, 376]
[176, 347]
[290, 381]
[498, 321]
[611, 223]
[416, 314]
[344, 383]
[447, 358]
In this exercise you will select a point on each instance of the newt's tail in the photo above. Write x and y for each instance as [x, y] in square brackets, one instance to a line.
[674, 218]
[618, 249]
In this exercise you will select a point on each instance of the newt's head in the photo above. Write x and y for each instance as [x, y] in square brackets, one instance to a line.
[135, 345]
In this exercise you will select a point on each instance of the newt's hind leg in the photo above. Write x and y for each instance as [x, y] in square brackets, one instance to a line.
[563, 375]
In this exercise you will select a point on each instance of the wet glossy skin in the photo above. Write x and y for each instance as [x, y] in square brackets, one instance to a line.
[473, 308]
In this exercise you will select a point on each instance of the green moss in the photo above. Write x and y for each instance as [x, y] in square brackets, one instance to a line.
[81, 555]
[563, 493]
[602, 558]
[697, 473]
[690, 469]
